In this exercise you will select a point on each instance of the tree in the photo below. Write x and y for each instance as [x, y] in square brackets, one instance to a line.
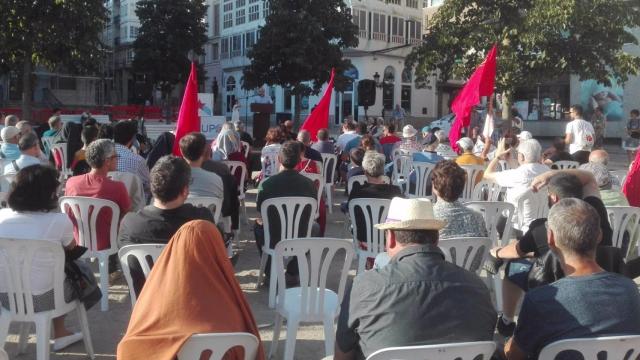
[299, 44]
[538, 40]
[171, 31]
[51, 33]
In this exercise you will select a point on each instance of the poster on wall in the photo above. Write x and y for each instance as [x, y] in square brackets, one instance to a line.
[209, 125]
[610, 99]
[205, 104]
[523, 110]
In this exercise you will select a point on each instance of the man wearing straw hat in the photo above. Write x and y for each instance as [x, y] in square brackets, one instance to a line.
[418, 298]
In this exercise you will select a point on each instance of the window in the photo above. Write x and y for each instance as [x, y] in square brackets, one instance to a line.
[396, 2]
[414, 31]
[240, 19]
[397, 30]
[224, 48]
[228, 7]
[216, 20]
[231, 89]
[405, 98]
[360, 19]
[265, 8]
[63, 83]
[236, 45]
[406, 76]
[412, 4]
[215, 51]
[123, 32]
[249, 41]
[240, 3]
[130, 55]
[228, 20]
[254, 12]
[124, 7]
[133, 32]
[378, 27]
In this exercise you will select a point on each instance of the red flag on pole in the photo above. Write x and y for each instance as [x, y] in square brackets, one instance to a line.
[188, 119]
[319, 117]
[481, 83]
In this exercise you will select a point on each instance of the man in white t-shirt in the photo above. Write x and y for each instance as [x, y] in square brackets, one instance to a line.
[517, 181]
[579, 134]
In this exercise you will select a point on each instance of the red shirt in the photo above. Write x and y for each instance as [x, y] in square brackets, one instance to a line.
[391, 139]
[101, 187]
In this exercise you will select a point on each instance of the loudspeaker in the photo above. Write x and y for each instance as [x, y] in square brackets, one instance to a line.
[366, 92]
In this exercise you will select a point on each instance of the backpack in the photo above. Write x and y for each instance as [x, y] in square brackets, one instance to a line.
[585, 139]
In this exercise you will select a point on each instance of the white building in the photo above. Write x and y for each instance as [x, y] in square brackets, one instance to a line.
[387, 31]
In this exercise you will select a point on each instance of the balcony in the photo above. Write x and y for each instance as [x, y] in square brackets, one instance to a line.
[379, 36]
[397, 39]
[362, 33]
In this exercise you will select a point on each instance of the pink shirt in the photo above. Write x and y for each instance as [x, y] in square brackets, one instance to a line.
[101, 187]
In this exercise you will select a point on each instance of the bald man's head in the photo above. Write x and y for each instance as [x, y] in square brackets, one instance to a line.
[599, 157]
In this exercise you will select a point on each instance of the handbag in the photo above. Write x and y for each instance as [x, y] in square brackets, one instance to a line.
[83, 283]
[545, 270]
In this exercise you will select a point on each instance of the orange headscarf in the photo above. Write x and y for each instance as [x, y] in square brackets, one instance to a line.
[191, 289]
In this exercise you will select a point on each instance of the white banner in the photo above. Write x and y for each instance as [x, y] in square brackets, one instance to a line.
[205, 104]
[210, 126]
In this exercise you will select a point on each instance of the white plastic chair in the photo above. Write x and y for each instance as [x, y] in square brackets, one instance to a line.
[565, 164]
[48, 142]
[615, 347]
[402, 166]
[233, 167]
[218, 344]
[290, 211]
[246, 148]
[624, 219]
[456, 351]
[61, 150]
[146, 254]
[486, 190]
[462, 251]
[621, 175]
[538, 204]
[312, 301]
[492, 211]
[422, 170]
[16, 256]
[3, 200]
[318, 182]
[85, 210]
[375, 212]
[212, 203]
[329, 162]
[134, 187]
[472, 174]
[362, 179]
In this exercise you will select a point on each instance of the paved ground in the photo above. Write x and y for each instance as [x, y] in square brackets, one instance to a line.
[107, 328]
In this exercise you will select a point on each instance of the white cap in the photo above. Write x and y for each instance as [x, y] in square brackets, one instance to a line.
[9, 132]
[465, 143]
[409, 131]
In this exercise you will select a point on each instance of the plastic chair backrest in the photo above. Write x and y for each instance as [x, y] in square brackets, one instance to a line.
[85, 210]
[612, 347]
[375, 212]
[47, 141]
[565, 164]
[492, 211]
[621, 175]
[481, 350]
[16, 257]
[235, 166]
[402, 166]
[537, 203]
[462, 251]
[3, 199]
[329, 162]
[61, 150]
[623, 219]
[486, 190]
[362, 179]
[318, 182]
[290, 210]
[315, 257]
[472, 175]
[246, 148]
[146, 254]
[212, 203]
[134, 187]
[423, 174]
[218, 344]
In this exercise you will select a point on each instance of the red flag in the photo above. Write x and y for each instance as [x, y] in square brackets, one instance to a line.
[188, 119]
[319, 117]
[481, 83]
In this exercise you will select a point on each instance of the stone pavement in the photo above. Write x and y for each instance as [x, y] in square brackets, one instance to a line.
[107, 328]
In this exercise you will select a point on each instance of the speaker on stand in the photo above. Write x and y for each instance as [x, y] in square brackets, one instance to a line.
[366, 94]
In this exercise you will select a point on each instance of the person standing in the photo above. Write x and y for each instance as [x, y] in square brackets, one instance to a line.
[599, 123]
[398, 116]
[633, 133]
[579, 135]
[235, 113]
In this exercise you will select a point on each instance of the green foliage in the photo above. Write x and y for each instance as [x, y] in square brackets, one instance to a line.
[170, 30]
[52, 33]
[300, 42]
[538, 40]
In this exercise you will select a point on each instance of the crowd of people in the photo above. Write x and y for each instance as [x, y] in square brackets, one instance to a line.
[563, 272]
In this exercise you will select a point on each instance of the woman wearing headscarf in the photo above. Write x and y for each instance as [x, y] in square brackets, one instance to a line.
[631, 187]
[191, 289]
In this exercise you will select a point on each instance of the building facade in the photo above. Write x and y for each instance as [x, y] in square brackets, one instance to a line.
[387, 30]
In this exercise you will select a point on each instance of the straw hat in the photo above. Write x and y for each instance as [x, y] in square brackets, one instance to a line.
[409, 131]
[411, 214]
